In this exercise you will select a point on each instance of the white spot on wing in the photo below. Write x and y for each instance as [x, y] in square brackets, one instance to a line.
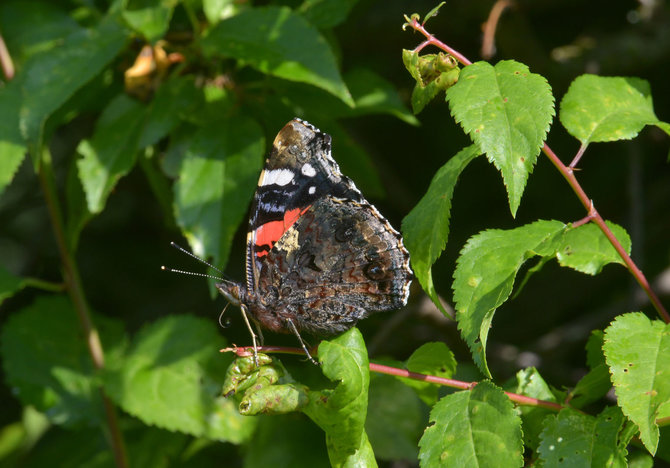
[277, 177]
[312, 190]
[308, 170]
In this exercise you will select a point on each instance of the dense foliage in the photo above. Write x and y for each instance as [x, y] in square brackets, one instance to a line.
[127, 124]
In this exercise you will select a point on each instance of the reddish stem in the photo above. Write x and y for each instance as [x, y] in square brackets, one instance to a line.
[577, 157]
[430, 39]
[246, 351]
[490, 26]
[515, 397]
[6, 62]
[568, 174]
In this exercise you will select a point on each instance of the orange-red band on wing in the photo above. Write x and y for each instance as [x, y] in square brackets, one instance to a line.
[271, 232]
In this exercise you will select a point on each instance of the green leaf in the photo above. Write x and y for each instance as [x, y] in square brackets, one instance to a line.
[112, 150]
[489, 262]
[175, 100]
[507, 111]
[432, 72]
[596, 383]
[31, 27]
[51, 78]
[279, 42]
[340, 412]
[217, 179]
[326, 13]
[12, 146]
[430, 359]
[636, 351]
[432, 12]
[9, 284]
[574, 439]
[150, 18]
[172, 377]
[477, 427]
[530, 383]
[485, 273]
[217, 10]
[426, 228]
[46, 361]
[586, 249]
[598, 108]
[395, 418]
[373, 94]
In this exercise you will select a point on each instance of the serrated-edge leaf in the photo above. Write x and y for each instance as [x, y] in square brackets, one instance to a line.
[587, 249]
[172, 377]
[506, 110]
[636, 350]
[55, 375]
[488, 264]
[51, 78]
[530, 383]
[477, 427]
[485, 273]
[571, 438]
[277, 41]
[607, 108]
[433, 358]
[112, 150]
[426, 228]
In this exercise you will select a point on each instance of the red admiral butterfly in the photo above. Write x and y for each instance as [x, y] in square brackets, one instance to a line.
[319, 256]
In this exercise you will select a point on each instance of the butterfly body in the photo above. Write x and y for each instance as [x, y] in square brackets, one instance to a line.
[319, 256]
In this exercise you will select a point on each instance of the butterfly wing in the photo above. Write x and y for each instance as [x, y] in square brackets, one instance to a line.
[340, 261]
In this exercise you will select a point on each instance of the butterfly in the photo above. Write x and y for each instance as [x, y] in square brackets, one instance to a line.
[319, 256]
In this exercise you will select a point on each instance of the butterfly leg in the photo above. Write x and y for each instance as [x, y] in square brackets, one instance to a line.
[302, 343]
[243, 308]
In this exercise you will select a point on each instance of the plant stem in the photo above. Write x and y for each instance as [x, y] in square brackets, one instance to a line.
[75, 290]
[568, 174]
[246, 351]
[515, 397]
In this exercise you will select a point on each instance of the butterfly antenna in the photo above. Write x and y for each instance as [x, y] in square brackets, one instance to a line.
[196, 257]
[191, 273]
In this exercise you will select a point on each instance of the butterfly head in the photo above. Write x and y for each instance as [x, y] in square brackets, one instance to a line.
[231, 290]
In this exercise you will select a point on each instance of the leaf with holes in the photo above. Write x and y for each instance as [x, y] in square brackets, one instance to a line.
[571, 438]
[636, 350]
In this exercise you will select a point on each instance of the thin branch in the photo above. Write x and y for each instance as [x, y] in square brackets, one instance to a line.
[515, 397]
[247, 351]
[430, 39]
[76, 292]
[488, 44]
[568, 174]
[577, 157]
[6, 60]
